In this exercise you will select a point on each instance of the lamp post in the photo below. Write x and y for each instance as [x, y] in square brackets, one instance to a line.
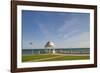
[31, 44]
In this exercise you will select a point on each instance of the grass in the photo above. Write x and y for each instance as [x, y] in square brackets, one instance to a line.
[69, 58]
[51, 57]
[34, 57]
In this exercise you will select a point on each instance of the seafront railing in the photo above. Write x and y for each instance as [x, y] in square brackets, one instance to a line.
[57, 51]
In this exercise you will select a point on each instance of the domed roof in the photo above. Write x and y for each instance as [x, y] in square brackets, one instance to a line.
[49, 44]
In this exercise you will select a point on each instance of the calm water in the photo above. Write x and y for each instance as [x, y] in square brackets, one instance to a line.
[57, 50]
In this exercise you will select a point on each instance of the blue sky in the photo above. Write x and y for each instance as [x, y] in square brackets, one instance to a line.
[65, 29]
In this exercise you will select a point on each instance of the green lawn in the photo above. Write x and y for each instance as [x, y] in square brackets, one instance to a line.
[51, 57]
[34, 57]
[69, 58]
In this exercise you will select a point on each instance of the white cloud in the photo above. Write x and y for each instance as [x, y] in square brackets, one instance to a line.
[67, 25]
[81, 40]
[70, 34]
[44, 30]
